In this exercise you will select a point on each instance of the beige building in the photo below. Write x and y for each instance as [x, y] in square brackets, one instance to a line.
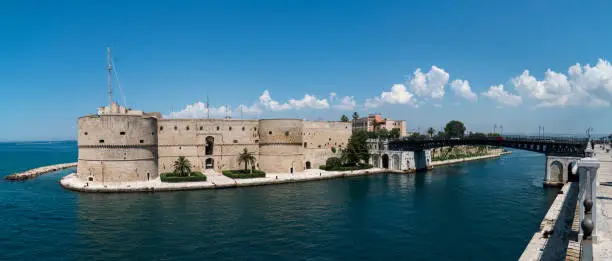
[376, 121]
[119, 144]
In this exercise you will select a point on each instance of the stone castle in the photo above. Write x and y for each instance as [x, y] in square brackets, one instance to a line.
[122, 145]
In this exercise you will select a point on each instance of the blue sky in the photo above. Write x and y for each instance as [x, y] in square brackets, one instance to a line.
[284, 58]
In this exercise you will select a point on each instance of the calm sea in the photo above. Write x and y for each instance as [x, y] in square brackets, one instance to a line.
[486, 210]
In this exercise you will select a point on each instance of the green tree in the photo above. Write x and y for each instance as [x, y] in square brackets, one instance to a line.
[431, 131]
[355, 116]
[477, 135]
[344, 118]
[383, 133]
[356, 149]
[454, 129]
[394, 133]
[182, 166]
[246, 157]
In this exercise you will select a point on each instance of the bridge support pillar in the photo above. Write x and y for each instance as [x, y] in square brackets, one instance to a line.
[558, 170]
[422, 159]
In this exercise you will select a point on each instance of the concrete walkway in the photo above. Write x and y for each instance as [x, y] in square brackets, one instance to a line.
[214, 180]
[602, 249]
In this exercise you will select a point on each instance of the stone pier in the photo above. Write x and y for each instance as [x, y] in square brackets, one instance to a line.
[558, 170]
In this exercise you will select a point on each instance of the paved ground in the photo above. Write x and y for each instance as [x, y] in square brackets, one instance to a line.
[602, 250]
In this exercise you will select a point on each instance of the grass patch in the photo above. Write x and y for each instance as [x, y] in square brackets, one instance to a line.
[244, 174]
[346, 168]
[173, 177]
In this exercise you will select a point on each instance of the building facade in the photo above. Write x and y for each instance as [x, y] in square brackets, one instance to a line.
[376, 122]
[123, 145]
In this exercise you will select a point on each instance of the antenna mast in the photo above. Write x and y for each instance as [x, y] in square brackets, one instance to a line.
[110, 89]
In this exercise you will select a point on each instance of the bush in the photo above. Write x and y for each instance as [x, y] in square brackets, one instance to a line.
[174, 177]
[333, 149]
[244, 174]
[346, 168]
[333, 162]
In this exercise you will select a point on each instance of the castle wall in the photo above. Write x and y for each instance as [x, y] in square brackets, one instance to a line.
[124, 147]
[319, 139]
[114, 148]
[281, 145]
[230, 137]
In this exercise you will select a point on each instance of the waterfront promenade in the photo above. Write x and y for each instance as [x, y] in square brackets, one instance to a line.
[602, 247]
[217, 180]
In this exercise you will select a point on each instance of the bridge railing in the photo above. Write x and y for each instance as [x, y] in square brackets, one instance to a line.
[520, 138]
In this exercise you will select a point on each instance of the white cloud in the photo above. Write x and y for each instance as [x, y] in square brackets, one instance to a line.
[430, 84]
[347, 103]
[266, 100]
[582, 86]
[199, 110]
[309, 101]
[462, 88]
[498, 94]
[397, 95]
[437, 105]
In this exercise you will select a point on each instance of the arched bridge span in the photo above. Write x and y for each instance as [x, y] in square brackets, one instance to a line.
[550, 146]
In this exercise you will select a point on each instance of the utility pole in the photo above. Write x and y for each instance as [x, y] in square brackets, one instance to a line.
[502, 129]
[494, 128]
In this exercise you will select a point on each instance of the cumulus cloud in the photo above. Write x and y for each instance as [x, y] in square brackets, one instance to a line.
[462, 88]
[199, 110]
[430, 84]
[582, 86]
[347, 103]
[309, 101]
[498, 94]
[266, 100]
[397, 95]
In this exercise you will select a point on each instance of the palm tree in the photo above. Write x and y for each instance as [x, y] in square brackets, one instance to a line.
[355, 116]
[182, 166]
[246, 157]
[431, 132]
[344, 118]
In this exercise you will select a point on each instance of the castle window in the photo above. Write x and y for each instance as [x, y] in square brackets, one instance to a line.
[230, 128]
[175, 128]
[255, 128]
[286, 133]
[319, 146]
[122, 133]
[256, 141]
[161, 128]
[90, 178]
[201, 128]
[141, 141]
[242, 128]
[235, 141]
[101, 141]
[329, 139]
[180, 147]
[217, 127]
[269, 132]
[85, 133]
[187, 128]
[305, 144]
[152, 133]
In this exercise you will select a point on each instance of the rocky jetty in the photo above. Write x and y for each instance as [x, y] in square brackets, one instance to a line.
[33, 173]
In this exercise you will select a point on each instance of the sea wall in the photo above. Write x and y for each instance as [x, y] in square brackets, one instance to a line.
[33, 173]
[550, 241]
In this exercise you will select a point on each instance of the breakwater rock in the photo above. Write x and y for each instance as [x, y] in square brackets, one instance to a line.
[33, 173]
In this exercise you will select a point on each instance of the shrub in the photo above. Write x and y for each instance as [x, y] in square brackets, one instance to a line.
[333, 149]
[175, 177]
[333, 162]
[244, 174]
[346, 168]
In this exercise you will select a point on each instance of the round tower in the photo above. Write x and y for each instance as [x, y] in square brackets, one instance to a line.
[117, 148]
[281, 145]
